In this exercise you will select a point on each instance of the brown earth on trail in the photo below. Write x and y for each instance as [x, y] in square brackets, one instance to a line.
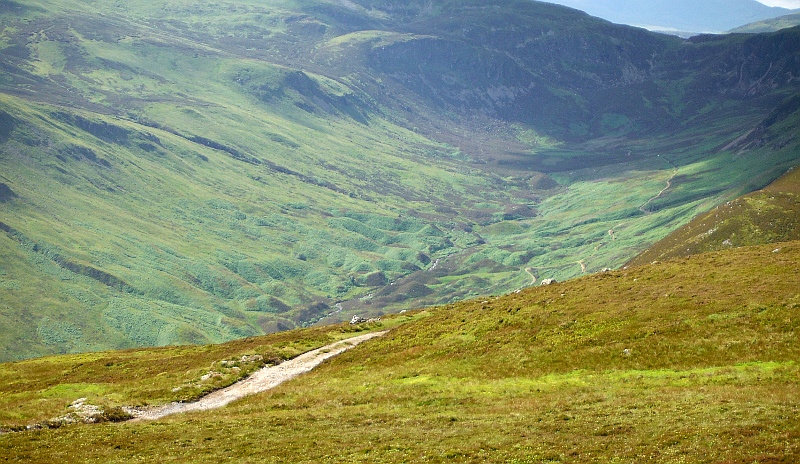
[262, 380]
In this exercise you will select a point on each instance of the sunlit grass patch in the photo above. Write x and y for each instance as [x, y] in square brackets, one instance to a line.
[648, 363]
[40, 389]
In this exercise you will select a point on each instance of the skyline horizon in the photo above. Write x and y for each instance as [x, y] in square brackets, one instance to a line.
[789, 4]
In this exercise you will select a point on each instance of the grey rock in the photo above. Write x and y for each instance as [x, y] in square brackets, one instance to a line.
[357, 320]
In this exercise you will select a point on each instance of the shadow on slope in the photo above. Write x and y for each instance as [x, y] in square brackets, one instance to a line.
[769, 215]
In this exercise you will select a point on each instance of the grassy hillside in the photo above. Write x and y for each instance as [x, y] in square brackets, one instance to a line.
[688, 360]
[768, 215]
[188, 172]
[149, 377]
[770, 25]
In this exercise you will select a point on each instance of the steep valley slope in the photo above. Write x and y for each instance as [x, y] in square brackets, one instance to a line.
[194, 172]
[769, 215]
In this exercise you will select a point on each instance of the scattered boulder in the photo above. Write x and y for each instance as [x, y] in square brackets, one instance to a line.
[357, 320]
[360, 320]
[209, 375]
[80, 411]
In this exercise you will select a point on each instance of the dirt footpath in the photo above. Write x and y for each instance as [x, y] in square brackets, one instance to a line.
[262, 380]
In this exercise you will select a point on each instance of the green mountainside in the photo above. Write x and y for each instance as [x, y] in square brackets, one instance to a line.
[193, 172]
[769, 215]
[688, 360]
[770, 25]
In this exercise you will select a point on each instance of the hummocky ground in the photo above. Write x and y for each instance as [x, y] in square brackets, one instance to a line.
[189, 172]
[687, 359]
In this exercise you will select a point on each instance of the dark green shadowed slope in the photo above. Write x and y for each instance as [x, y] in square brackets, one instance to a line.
[769, 215]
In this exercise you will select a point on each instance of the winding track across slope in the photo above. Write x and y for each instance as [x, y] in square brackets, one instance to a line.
[669, 185]
[262, 380]
[643, 208]
[530, 273]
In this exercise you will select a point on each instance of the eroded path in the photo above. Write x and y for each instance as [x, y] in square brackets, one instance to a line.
[643, 208]
[262, 380]
[530, 273]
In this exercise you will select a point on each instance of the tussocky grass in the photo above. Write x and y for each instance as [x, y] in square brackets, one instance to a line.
[38, 390]
[689, 360]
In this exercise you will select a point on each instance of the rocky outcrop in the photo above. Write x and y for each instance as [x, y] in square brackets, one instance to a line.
[360, 320]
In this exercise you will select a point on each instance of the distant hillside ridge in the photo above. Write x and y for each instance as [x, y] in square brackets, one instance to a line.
[769, 25]
[698, 16]
[196, 172]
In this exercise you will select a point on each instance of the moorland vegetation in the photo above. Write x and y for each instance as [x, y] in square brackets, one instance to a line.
[686, 360]
[195, 172]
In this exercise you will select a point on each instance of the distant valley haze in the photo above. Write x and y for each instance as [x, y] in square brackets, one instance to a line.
[791, 4]
[684, 17]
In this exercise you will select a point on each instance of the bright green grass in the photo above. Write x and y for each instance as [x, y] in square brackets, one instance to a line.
[684, 361]
[135, 377]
